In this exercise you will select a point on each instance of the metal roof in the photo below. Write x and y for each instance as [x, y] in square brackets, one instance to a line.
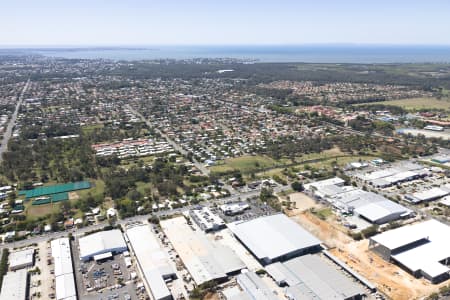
[62, 256]
[425, 256]
[312, 277]
[205, 259]
[254, 287]
[65, 287]
[371, 206]
[322, 183]
[64, 278]
[21, 258]
[101, 242]
[376, 211]
[273, 236]
[14, 285]
[152, 260]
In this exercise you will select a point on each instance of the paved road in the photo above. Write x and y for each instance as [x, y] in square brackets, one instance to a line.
[12, 122]
[167, 212]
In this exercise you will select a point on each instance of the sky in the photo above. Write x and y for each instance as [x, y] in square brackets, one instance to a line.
[223, 22]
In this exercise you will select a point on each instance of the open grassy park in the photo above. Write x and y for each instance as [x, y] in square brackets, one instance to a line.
[417, 103]
[265, 166]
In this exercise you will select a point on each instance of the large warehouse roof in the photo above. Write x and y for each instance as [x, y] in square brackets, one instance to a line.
[64, 277]
[424, 256]
[272, 237]
[65, 287]
[14, 285]
[381, 211]
[205, 259]
[62, 257]
[152, 259]
[325, 182]
[310, 277]
[253, 288]
[101, 242]
[371, 206]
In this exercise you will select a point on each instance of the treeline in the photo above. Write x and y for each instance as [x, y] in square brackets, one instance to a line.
[291, 148]
[165, 177]
[49, 159]
[51, 130]
[396, 110]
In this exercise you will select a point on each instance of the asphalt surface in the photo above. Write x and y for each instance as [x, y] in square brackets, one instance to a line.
[12, 122]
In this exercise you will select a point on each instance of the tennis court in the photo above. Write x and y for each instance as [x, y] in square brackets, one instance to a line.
[55, 189]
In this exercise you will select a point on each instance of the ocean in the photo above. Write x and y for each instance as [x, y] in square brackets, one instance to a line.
[307, 54]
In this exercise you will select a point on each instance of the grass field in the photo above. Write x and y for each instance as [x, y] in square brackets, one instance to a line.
[416, 103]
[248, 164]
[89, 128]
[245, 164]
[36, 211]
[97, 189]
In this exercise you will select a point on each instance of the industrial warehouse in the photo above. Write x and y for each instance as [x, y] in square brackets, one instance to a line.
[428, 195]
[15, 286]
[287, 238]
[152, 260]
[406, 171]
[351, 200]
[252, 288]
[64, 276]
[21, 259]
[102, 245]
[423, 249]
[205, 260]
[310, 277]
[206, 219]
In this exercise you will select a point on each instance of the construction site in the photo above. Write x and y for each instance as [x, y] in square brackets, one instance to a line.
[389, 278]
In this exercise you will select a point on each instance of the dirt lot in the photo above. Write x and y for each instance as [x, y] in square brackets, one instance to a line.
[212, 296]
[73, 196]
[390, 279]
[301, 202]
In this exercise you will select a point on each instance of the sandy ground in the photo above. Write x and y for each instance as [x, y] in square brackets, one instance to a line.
[45, 278]
[212, 296]
[390, 279]
[302, 202]
[73, 196]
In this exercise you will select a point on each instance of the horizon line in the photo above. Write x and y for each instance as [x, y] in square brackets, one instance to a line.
[65, 46]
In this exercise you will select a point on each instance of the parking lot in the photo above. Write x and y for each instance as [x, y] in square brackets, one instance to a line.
[107, 280]
[256, 209]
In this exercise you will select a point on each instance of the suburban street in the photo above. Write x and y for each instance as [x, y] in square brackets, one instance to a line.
[81, 231]
[180, 149]
[12, 122]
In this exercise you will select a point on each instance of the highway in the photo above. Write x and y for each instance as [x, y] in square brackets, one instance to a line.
[12, 122]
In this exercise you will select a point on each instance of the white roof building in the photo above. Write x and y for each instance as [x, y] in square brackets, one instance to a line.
[15, 285]
[274, 238]
[64, 277]
[153, 262]
[253, 287]
[21, 259]
[318, 184]
[429, 195]
[421, 248]
[206, 219]
[310, 277]
[234, 208]
[370, 206]
[103, 242]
